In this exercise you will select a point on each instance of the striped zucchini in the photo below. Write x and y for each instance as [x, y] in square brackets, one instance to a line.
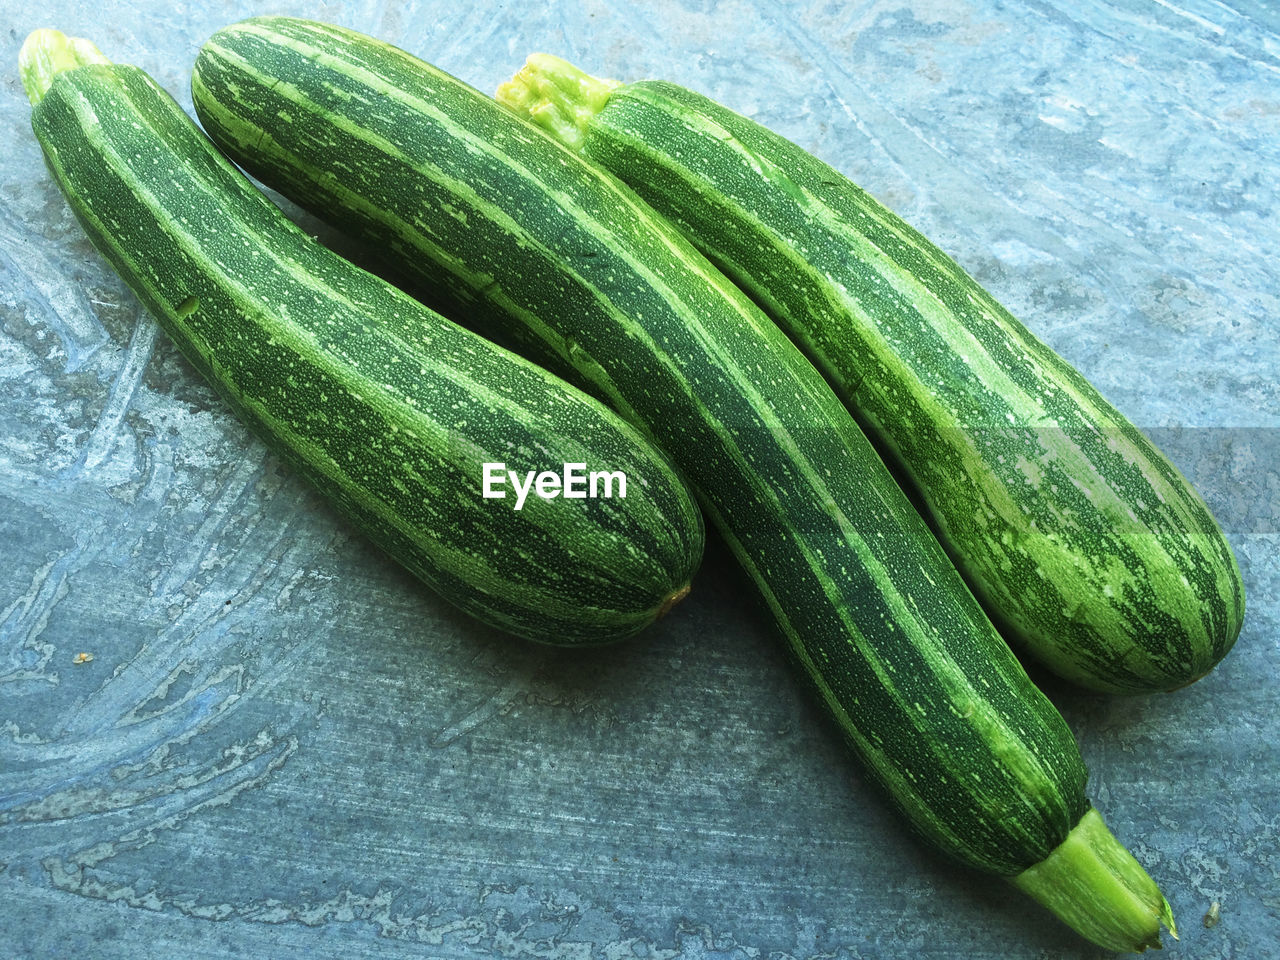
[492, 212]
[387, 407]
[1081, 539]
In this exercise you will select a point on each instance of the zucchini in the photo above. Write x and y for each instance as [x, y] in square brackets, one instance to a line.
[487, 210]
[388, 408]
[1084, 543]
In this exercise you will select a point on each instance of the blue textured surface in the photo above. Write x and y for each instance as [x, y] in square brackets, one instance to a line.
[283, 747]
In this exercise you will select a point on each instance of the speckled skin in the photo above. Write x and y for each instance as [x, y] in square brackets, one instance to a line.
[230, 776]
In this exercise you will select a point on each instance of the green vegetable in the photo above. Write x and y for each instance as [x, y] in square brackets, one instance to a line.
[1081, 539]
[485, 209]
[390, 409]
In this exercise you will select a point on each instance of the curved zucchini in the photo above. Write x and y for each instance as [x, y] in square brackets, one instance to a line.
[490, 211]
[390, 409]
[1084, 543]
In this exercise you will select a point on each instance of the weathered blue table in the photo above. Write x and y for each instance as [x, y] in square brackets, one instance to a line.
[284, 747]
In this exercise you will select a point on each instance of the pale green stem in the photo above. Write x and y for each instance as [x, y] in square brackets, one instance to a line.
[1096, 886]
[557, 96]
[47, 53]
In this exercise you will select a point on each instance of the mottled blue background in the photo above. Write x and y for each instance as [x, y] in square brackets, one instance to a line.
[284, 747]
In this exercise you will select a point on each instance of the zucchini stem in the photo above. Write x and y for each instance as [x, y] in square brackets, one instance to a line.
[1094, 885]
[671, 600]
[556, 96]
[46, 53]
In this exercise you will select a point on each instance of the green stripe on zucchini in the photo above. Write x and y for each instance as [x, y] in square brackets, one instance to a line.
[484, 209]
[1082, 540]
[390, 409]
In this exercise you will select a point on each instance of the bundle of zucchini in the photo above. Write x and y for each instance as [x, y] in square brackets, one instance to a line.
[530, 241]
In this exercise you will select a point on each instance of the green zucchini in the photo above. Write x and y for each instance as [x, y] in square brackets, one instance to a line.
[488, 210]
[1084, 543]
[388, 408]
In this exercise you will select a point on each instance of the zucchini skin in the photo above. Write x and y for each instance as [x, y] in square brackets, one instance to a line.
[388, 408]
[1084, 543]
[489, 211]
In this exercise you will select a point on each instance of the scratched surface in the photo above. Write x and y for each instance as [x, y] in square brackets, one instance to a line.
[284, 747]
